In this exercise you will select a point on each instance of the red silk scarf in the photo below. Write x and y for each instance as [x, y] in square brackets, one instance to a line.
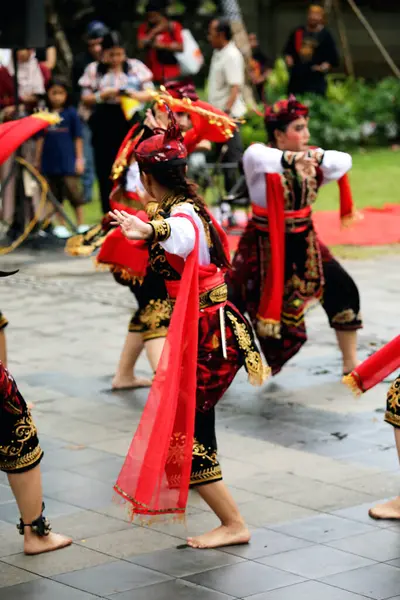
[156, 474]
[15, 133]
[375, 368]
[270, 307]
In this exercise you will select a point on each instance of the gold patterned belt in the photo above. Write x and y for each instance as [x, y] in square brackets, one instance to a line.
[212, 297]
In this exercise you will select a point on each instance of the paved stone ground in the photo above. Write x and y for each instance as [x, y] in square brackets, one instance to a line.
[303, 458]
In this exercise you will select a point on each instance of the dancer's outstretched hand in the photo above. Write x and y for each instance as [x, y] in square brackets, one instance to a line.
[132, 227]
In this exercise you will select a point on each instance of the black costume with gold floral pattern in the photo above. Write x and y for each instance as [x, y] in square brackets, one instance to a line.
[392, 414]
[215, 373]
[3, 321]
[19, 444]
[311, 272]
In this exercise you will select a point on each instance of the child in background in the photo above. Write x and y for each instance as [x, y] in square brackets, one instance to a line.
[59, 154]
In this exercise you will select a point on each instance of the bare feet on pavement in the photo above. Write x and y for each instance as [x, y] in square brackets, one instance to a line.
[390, 510]
[224, 535]
[130, 383]
[35, 544]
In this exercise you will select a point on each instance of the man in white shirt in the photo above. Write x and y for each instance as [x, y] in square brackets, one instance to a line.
[225, 87]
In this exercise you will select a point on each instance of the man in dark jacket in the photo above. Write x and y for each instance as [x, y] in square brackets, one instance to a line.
[310, 53]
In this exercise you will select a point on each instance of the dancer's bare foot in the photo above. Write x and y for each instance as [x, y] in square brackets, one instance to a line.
[390, 510]
[130, 383]
[36, 544]
[225, 535]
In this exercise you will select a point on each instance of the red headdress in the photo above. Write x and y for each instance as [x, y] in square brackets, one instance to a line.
[180, 90]
[285, 111]
[163, 147]
[209, 123]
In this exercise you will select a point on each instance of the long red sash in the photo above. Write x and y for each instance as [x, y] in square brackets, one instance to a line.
[156, 474]
[270, 307]
[375, 368]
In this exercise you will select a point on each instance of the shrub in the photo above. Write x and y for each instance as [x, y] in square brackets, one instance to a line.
[353, 113]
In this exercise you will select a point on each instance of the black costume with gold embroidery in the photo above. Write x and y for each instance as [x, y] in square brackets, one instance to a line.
[311, 272]
[392, 414]
[215, 372]
[19, 444]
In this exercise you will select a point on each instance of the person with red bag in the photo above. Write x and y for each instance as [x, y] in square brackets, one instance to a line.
[161, 39]
[281, 266]
[208, 341]
[367, 375]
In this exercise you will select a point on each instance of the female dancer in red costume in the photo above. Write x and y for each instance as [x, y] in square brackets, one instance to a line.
[281, 265]
[207, 343]
[371, 372]
[200, 124]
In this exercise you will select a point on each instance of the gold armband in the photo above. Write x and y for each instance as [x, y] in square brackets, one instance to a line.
[161, 230]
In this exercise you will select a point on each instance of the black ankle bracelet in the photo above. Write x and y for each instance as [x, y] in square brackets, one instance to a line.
[39, 526]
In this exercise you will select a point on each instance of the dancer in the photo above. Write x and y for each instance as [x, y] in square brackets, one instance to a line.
[371, 372]
[207, 343]
[280, 265]
[200, 123]
[20, 456]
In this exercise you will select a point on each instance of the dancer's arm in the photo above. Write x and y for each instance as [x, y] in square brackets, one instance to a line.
[175, 234]
[334, 165]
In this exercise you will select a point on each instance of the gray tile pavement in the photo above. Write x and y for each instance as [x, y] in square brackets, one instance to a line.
[304, 459]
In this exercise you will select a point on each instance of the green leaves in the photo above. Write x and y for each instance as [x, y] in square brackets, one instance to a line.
[354, 113]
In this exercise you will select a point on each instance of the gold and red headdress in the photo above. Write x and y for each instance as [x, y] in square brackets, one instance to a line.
[166, 146]
[180, 90]
[285, 111]
[209, 122]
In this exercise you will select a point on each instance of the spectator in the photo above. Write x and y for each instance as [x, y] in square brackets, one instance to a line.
[161, 39]
[47, 56]
[225, 88]
[59, 154]
[310, 53]
[30, 82]
[31, 88]
[260, 68]
[103, 87]
[95, 33]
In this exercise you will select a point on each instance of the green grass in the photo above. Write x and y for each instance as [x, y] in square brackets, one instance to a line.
[374, 181]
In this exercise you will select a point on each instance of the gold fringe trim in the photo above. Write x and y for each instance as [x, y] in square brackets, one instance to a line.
[124, 273]
[49, 117]
[85, 244]
[353, 383]
[170, 515]
[268, 328]
[257, 378]
[349, 220]
[225, 123]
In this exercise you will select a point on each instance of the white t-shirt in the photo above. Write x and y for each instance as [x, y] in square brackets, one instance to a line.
[226, 70]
